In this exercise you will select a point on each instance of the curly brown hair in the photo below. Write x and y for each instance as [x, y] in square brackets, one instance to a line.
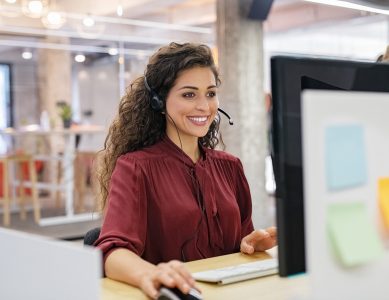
[137, 125]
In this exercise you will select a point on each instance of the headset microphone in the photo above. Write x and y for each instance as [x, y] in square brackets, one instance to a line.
[227, 115]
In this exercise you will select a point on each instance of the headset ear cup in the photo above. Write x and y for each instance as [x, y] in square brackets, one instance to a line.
[156, 104]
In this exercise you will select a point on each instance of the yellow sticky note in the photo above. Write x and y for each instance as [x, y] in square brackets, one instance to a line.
[351, 234]
[383, 199]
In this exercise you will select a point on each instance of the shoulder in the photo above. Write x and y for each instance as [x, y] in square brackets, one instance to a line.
[137, 163]
[222, 157]
[145, 154]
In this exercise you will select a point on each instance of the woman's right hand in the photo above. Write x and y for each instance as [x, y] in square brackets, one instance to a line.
[171, 274]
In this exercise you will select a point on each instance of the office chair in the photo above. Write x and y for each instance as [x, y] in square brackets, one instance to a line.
[91, 236]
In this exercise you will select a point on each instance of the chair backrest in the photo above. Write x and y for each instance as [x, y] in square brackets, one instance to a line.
[91, 236]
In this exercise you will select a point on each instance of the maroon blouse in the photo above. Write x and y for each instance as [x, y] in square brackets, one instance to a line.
[162, 206]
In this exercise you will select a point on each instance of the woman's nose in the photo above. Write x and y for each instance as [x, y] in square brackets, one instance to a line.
[202, 103]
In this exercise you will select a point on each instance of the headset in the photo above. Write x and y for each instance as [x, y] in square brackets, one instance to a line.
[158, 105]
[230, 121]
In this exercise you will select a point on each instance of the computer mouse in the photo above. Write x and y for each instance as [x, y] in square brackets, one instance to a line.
[166, 293]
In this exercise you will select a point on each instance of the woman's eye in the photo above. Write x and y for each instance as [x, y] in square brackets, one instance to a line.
[188, 95]
[212, 94]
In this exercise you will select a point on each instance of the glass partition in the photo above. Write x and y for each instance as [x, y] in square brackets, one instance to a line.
[5, 100]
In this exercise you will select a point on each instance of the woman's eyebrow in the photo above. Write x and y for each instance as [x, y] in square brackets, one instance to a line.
[195, 88]
[188, 87]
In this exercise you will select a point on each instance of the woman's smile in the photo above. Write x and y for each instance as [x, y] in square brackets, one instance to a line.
[198, 120]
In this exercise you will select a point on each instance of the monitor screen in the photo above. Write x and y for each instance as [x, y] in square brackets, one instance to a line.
[289, 76]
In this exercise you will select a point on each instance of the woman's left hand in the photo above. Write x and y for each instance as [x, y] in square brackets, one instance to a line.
[259, 240]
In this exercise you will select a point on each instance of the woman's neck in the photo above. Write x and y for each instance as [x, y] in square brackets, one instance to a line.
[188, 144]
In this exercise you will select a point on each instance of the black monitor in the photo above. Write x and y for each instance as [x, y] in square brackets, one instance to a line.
[289, 76]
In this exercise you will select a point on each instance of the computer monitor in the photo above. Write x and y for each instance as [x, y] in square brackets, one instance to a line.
[36, 267]
[289, 76]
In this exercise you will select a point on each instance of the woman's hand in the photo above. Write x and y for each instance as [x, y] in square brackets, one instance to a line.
[259, 240]
[171, 274]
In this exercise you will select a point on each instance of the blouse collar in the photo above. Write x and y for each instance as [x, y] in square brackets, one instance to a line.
[177, 152]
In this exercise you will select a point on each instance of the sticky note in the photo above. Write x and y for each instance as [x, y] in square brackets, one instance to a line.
[351, 234]
[344, 156]
[383, 199]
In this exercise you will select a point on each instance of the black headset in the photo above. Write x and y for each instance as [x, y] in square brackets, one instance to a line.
[157, 104]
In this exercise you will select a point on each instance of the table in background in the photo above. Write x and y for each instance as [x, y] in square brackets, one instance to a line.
[266, 288]
[67, 160]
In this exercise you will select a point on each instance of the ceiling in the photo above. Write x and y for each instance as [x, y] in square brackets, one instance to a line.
[144, 24]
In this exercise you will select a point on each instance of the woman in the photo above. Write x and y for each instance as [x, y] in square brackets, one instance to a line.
[168, 195]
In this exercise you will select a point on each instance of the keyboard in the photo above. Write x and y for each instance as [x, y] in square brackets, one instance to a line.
[239, 272]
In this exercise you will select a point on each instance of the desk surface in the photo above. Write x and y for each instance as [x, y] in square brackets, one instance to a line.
[268, 288]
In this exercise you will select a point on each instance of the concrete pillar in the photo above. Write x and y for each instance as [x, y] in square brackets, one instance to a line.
[54, 84]
[54, 75]
[240, 56]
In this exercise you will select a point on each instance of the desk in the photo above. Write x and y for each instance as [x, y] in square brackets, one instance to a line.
[266, 288]
[67, 160]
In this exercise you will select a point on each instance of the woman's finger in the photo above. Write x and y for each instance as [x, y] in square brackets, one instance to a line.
[266, 244]
[169, 274]
[259, 234]
[163, 277]
[272, 231]
[246, 247]
[180, 268]
[149, 288]
[180, 282]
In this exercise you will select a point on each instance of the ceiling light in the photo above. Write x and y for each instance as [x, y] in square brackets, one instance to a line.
[34, 8]
[119, 10]
[10, 1]
[79, 58]
[89, 29]
[113, 51]
[54, 20]
[348, 4]
[54, 17]
[88, 21]
[27, 54]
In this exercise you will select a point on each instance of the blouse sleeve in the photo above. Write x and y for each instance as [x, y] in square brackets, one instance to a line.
[125, 220]
[244, 201]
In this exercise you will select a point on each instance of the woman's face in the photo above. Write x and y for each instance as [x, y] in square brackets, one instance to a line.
[192, 103]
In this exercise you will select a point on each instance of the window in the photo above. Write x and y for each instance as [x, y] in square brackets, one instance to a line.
[5, 101]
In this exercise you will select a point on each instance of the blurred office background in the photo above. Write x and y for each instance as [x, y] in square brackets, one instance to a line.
[85, 53]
